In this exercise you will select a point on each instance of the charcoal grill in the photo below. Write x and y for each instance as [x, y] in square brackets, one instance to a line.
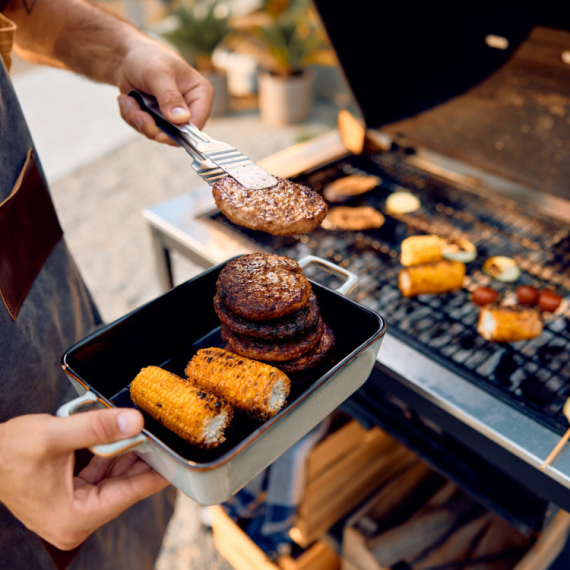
[485, 414]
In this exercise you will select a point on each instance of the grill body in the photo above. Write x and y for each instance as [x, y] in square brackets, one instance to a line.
[480, 135]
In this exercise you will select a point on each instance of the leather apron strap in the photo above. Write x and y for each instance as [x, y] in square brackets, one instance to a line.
[7, 31]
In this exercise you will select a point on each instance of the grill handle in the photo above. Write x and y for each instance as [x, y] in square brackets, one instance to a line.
[107, 449]
[347, 287]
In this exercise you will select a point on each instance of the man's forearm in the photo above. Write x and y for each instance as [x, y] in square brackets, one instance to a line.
[73, 34]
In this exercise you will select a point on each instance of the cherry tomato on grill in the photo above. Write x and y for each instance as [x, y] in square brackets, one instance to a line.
[527, 295]
[549, 301]
[484, 296]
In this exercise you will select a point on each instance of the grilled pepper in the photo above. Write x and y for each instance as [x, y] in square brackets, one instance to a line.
[191, 412]
[431, 278]
[258, 389]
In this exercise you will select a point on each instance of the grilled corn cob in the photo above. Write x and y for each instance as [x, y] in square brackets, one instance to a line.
[431, 278]
[258, 389]
[509, 324]
[421, 249]
[191, 412]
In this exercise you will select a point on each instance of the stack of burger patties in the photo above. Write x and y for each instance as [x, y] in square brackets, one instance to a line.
[270, 313]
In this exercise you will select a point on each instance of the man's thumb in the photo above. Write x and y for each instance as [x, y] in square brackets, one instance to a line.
[170, 100]
[93, 428]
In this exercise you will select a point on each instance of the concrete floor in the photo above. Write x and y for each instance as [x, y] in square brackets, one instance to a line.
[102, 175]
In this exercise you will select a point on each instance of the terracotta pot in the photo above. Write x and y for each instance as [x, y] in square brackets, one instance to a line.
[222, 98]
[285, 100]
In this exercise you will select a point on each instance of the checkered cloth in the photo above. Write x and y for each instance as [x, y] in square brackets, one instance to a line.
[267, 522]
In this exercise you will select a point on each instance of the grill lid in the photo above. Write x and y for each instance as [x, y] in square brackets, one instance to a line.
[432, 75]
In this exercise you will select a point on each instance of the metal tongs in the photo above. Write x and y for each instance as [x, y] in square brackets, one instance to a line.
[212, 159]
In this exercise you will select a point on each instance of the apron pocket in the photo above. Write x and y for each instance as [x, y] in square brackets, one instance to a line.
[29, 230]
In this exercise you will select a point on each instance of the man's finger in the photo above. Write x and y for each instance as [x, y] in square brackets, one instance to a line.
[97, 470]
[123, 464]
[112, 496]
[171, 102]
[91, 428]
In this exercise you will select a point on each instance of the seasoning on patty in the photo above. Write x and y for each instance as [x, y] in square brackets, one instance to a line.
[263, 286]
[312, 358]
[271, 351]
[285, 209]
[284, 328]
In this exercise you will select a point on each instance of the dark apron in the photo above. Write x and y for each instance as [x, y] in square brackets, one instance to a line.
[44, 309]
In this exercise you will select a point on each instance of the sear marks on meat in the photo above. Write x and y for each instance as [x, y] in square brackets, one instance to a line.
[263, 286]
[284, 328]
[283, 210]
[271, 351]
[311, 359]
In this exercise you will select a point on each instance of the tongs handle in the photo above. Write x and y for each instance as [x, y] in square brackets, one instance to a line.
[186, 135]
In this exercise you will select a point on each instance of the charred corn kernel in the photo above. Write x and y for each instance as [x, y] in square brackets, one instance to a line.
[509, 324]
[191, 412]
[431, 278]
[421, 249]
[255, 388]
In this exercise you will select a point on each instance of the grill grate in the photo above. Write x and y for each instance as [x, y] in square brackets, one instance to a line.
[533, 376]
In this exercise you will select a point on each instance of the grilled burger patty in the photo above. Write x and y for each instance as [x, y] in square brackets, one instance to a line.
[278, 329]
[263, 286]
[283, 210]
[269, 351]
[312, 358]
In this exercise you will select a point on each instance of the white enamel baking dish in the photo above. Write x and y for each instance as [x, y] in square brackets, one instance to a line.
[168, 331]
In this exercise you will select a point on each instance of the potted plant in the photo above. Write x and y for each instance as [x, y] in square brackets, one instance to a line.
[288, 41]
[201, 26]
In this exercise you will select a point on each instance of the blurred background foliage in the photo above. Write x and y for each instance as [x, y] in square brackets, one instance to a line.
[284, 36]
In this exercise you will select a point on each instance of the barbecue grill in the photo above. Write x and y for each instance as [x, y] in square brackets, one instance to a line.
[473, 117]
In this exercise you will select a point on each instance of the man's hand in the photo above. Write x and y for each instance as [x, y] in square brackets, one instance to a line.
[36, 473]
[182, 93]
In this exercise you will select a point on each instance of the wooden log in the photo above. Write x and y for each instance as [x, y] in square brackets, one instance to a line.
[333, 448]
[459, 546]
[500, 536]
[320, 556]
[375, 443]
[315, 524]
[548, 546]
[234, 544]
[426, 528]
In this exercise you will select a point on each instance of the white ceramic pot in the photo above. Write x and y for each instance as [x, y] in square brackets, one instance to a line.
[221, 104]
[241, 70]
[285, 100]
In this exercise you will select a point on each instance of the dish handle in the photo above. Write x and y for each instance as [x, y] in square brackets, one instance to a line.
[107, 449]
[352, 279]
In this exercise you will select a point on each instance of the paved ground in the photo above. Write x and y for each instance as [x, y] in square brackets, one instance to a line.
[102, 175]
